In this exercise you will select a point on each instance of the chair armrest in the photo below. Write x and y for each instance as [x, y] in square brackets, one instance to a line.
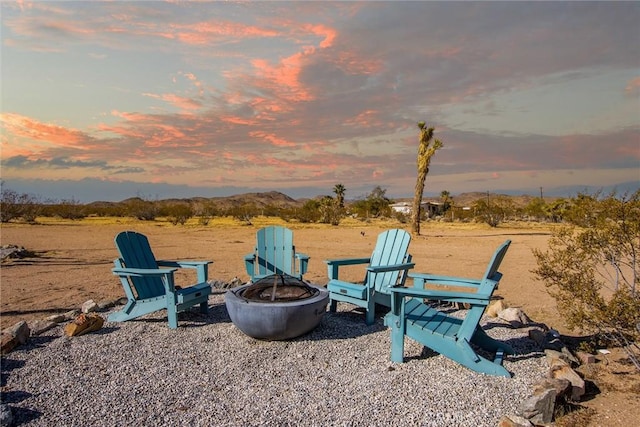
[139, 272]
[183, 264]
[347, 261]
[301, 257]
[303, 260]
[452, 296]
[334, 264]
[201, 266]
[432, 279]
[395, 267]
[166, 275]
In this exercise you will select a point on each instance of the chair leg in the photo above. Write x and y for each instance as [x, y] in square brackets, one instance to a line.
[397, 340]
[333, 306]
[204, 308]
[371, 313]
[172, 315]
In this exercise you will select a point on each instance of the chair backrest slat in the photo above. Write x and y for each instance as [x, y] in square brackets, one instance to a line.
[135, 252]
[275, 251]
[391, 248]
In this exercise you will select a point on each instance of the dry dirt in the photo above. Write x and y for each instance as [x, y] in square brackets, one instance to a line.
[73, 261]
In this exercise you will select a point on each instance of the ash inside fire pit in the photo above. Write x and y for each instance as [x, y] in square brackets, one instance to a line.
[276, 307]
[278, 288]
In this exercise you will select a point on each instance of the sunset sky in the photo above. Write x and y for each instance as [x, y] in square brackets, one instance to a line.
[109, 100]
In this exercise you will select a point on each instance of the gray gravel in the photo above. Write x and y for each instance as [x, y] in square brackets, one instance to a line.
[208, 373]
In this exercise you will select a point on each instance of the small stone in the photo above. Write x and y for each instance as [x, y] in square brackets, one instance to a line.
[515, 316]
[553, 356]
[7, 342]
[89, 306]
[105, 304]
[6, 415]
[577, 383]
[514, 421]
[55, 318]
[560, 385]
[538, 409]
[538, 336]
[586, 358]
[70, 315]
[495, 308]
[21, 331]
[40, 326]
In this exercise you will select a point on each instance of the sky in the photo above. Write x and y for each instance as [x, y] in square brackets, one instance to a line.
[106, 100]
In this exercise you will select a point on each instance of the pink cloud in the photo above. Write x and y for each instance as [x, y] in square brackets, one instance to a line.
[284, 78]
[207, 32]
[633, 86]
[272, 138]
[237, 120]
[26, 127]
[328, 33]
[181, 102]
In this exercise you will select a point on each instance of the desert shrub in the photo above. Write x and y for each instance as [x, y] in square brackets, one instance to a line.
[402, 218]
[244, 213]
[14, 205]
[330, 211]
[177, 213]
[374, 205]
[592, 267]
[493, 210]
[205, 211]
[310, 211]
[141, 209]
[536, 210]
[68, 209]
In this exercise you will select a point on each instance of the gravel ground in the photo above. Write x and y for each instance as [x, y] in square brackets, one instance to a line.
[207, 372]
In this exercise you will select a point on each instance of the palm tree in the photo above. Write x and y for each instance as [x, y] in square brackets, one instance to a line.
[339, 190]
[425, 151]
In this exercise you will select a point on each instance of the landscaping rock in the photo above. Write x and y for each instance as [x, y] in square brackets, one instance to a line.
[89, 306]
[560, 385]
[56, 318]
[495, 308]
[14, 336]
[577, 383]
[538, 409]
[515, 316]
[21, 331]
[40, 326]
[7, 342]
[514, 421]
[6, 415]
[70, 315]
[105, 304]
[586, 358]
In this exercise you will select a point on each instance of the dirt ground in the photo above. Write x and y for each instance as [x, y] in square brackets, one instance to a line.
[72, 263]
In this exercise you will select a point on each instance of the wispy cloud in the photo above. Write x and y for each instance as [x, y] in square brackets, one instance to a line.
[308, 94]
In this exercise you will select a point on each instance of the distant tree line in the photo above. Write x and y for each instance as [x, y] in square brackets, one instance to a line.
[492, 209]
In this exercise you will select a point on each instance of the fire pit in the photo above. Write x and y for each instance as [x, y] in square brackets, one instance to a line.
[276, 307]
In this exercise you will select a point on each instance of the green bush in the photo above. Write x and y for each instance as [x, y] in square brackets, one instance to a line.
[592, 266]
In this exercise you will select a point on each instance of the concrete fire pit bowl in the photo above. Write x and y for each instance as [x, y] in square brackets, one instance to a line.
[277, 307]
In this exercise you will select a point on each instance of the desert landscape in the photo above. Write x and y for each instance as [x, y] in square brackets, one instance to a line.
[71, 263]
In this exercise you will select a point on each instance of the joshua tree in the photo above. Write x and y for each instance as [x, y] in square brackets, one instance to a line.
[339, 190]
[445, 196]
[425, 151]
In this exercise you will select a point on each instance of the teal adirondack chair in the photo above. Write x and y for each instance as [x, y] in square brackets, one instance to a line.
[150, 288]
[387, 266]
[275, 253]
[410, 315]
